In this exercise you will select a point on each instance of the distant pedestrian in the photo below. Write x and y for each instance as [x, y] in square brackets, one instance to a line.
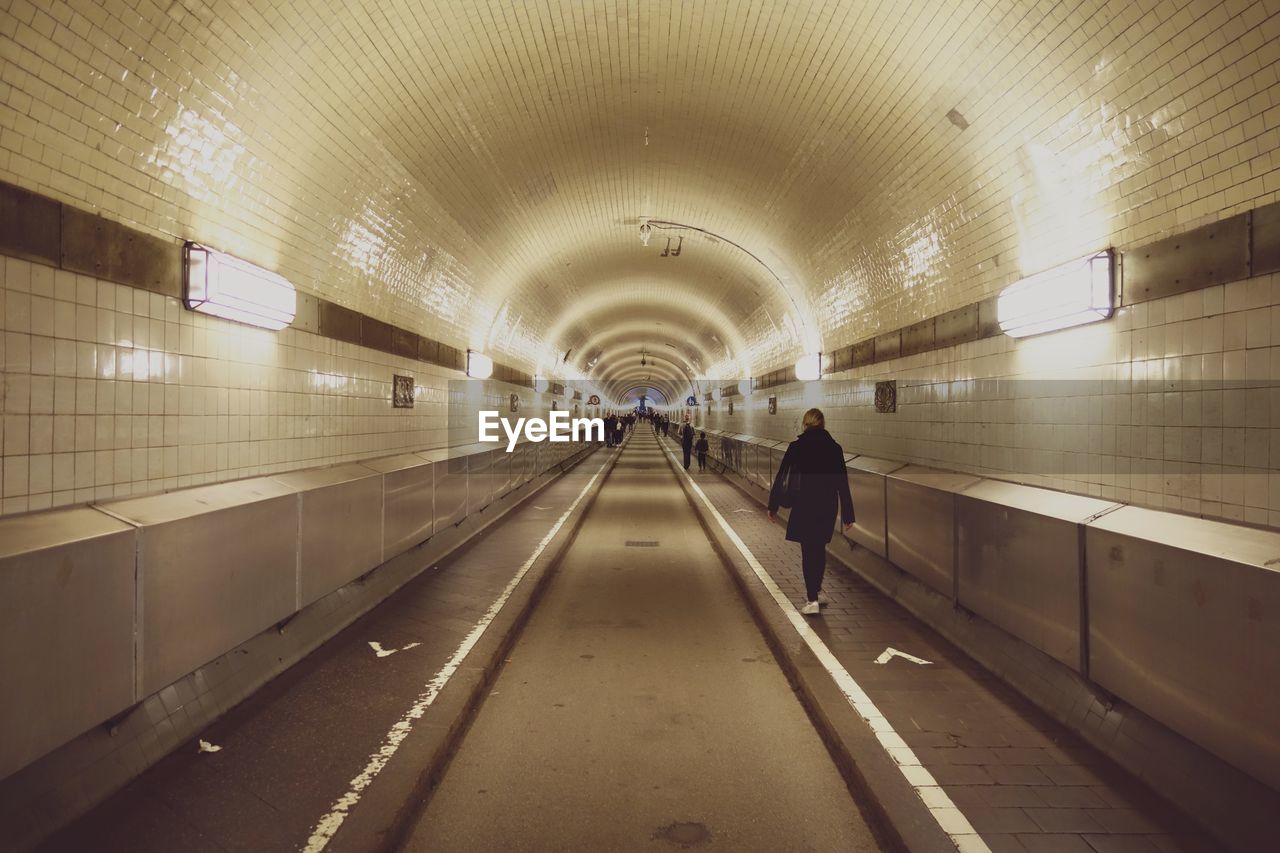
[701, 447]
[686, 441]
[813, 481]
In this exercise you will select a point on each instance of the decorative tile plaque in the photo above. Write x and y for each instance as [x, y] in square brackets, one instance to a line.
[887, 396]
[402, 392]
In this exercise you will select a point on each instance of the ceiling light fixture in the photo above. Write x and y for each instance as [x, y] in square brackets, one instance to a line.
[1071, 294]
[225, 286]
[809, 367]
[479, 365]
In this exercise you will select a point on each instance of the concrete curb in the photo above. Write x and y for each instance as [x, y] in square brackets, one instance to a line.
[896, 815]
[1209, 795]
[385, 816]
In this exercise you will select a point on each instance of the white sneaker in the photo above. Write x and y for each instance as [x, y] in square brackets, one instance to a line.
[822, 598]
[810, 608]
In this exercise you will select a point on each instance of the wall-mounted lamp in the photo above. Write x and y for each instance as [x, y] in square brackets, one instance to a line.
[646, 231]
[1075, 293]
[479, 365]
[225, 286]
[809, 367]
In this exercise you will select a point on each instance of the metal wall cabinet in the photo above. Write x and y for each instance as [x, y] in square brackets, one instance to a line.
[867, 485]
[1184, 622]
[1021, 562]
[340, 527]
[408, 504]
[66, 628]
[216, 565]
[921, 504]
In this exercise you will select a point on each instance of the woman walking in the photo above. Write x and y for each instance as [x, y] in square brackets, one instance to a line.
[812, 480]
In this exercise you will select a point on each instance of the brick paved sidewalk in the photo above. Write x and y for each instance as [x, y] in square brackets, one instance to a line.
[1022, 780]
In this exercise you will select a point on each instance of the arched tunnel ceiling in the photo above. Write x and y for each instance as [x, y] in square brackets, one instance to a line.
[477, 171]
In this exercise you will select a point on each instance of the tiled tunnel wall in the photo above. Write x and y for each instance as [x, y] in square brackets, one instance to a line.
[111, 391]
[943, 149]
[1177, 406]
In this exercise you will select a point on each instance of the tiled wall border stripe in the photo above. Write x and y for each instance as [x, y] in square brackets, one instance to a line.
[1238, 247]
[37, 228]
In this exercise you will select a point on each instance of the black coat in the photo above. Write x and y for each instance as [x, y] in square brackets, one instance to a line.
[824, 487]
[686, 437]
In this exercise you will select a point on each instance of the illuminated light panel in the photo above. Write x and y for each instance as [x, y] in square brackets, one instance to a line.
[233, 289]
[479, 365]
[809, 367]
[1072, 294]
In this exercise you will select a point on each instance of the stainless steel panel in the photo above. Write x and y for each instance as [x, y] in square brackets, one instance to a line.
[955, 327]
[66, 628]
[1265, 256]
[341, 526]
[888, 346]
[733, 454]
[989, 318]
[479, 480]
[1184, 623]
[864, 352]
[449, 478]
[30, 226]
[747, 470]
[1212, 254]
[775, 459]
[407, 497]
[500, 468]
[100, 247]
[517, 461]
[218, 564]
[918, 337]
[921, 530]
[1020, 562]
[838, 360]
[867, 486]
[764, 468]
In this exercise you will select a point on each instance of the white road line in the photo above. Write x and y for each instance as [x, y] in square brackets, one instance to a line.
[944, 811]
[328, 825]
[891, 653]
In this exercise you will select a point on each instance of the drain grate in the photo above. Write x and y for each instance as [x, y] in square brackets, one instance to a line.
[642, 543]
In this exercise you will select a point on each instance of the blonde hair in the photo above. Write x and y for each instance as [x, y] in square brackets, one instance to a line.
[813, 419]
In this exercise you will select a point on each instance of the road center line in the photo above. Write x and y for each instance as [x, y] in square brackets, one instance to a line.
[328, 825]
[944, 811]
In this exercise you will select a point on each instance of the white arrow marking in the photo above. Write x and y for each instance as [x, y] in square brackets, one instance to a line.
[205, 746]
[382, 653]
[890, 653]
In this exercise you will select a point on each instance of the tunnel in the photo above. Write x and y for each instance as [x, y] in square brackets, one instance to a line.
[617, 425]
